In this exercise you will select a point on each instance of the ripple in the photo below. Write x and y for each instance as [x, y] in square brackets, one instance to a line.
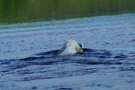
[48, 65]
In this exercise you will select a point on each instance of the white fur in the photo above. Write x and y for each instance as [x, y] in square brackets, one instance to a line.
[69, 48]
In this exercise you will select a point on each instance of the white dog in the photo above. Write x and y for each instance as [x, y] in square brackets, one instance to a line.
[70, 47]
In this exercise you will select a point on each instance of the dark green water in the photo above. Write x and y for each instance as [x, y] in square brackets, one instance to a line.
[16, 11]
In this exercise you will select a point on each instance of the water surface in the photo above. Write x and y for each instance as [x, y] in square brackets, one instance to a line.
[30, 37]
[92, 69]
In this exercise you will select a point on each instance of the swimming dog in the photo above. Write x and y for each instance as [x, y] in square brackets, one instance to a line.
[70, 47]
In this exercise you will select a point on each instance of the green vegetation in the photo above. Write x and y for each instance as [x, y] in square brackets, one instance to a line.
[12, 11]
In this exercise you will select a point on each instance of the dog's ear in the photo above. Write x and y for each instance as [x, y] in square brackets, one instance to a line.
[62, 49]
[78, 49]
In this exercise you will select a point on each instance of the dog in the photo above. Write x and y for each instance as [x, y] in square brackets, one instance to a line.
[70, 47]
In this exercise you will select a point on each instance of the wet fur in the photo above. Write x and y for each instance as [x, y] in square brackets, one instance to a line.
[70, 47]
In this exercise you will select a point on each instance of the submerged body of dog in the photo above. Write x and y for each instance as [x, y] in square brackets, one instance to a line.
[69, 48]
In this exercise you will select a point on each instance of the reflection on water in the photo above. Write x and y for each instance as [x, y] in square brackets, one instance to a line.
[12, 11]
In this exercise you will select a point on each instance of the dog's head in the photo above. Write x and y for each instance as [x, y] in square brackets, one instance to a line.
[75, 45]
[72, 43]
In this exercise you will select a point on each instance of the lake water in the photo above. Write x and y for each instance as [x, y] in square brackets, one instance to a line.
[30, 37]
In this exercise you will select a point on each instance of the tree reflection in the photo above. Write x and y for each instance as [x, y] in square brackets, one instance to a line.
[34, 10]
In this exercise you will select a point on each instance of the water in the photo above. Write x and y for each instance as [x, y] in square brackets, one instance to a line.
[92, 69]
[29, 58]
[28, 50]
